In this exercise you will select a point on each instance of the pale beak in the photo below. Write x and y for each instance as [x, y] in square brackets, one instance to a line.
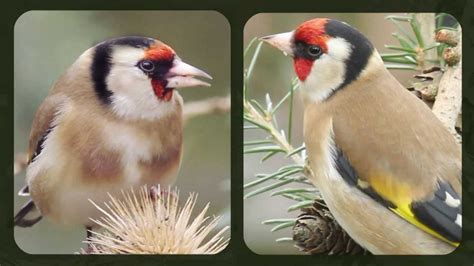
[281, 41]
[184, 75]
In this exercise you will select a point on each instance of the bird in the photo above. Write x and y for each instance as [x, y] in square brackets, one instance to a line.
[387, 168]
[112, 122]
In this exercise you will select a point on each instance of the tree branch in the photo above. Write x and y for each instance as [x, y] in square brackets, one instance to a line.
[447, 105]
[214, 105]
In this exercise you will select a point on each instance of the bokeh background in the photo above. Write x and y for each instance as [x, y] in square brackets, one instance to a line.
[272, 74]
[47, 42]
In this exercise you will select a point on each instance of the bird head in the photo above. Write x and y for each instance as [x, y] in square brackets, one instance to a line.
[327, 55]
[136, 76]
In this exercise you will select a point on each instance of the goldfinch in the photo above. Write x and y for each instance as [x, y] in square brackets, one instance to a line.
[112, 122]
[387, 168]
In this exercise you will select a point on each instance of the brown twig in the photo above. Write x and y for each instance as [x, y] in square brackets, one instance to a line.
[447, 106]
[214, 105]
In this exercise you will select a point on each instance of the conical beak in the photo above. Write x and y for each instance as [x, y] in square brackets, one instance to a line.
[184, 75]
[281, 41]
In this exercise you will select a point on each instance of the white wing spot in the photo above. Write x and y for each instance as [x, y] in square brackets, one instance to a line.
[363, 184]
[459, 220]
[452, 202]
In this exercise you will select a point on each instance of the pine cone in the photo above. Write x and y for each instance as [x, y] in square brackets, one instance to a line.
[317, 232]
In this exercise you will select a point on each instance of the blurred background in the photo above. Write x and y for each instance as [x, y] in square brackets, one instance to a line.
[47, 42]
[273, 74]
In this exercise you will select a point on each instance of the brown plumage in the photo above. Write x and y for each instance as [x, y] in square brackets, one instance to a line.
[375, 121]
[387, 168]
[110, 123]
[377, 138]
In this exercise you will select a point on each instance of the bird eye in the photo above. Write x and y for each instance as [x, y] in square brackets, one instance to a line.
[147, 66]
[314, 50]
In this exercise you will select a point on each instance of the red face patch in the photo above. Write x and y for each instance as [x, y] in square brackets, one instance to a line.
[160, 52]
[160, 91]
[302, 67]
[311, 32]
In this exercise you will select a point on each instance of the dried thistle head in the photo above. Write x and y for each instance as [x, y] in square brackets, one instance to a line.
[155, 224]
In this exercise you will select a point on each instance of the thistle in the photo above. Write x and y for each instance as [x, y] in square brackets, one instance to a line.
[152, 222]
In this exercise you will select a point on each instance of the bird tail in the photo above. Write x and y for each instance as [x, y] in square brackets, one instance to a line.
[28, 214]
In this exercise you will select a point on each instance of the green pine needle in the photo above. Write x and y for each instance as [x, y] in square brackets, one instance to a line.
[282, 226]
[250, 45]
[403, 31]
[399, 18]
[272, 148]
[267, 188]
[255, 123]
[251, 127]
[399, 48]
[254, 60]
[258, 106]
[294, 190]
[286, 97]
[257, 142]
[395, 55]
[281, 173]
[415, 26]
[284, 239]
[403, 41]
[400, 67]
[279, 221]
[302, 204]
[401, 60]
[267, 156]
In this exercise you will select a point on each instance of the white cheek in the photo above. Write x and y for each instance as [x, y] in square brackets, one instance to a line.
[133, 96]
[328, 72]
[339, 49]
[325, 76]
[124, 55]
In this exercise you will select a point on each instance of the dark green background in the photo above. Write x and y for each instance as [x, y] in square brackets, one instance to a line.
[237, 12]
